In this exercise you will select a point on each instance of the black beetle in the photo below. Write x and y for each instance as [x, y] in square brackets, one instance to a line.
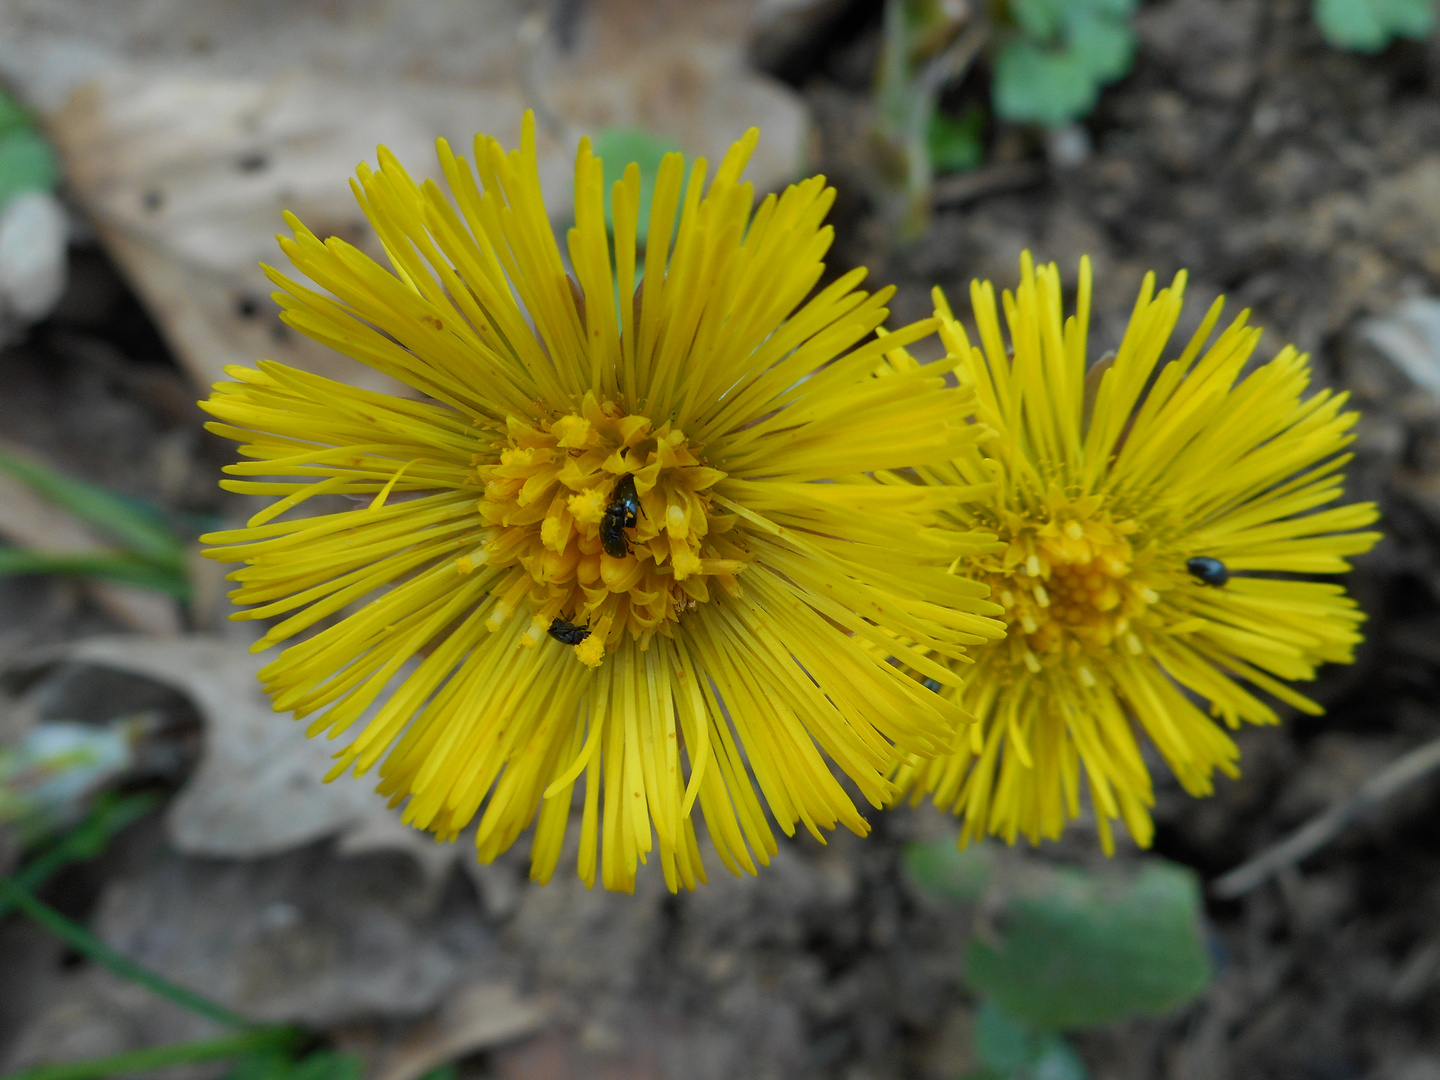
[1208, 571]
[620, 515]
[568, 633]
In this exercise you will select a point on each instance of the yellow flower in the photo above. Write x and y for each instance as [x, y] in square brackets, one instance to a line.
[595, 547]
[1126, 495]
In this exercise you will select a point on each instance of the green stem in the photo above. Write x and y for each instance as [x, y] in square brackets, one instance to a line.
[159, 1057]
[80, 939]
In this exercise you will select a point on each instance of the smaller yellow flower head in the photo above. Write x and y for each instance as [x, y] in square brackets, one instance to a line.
[1151, 516]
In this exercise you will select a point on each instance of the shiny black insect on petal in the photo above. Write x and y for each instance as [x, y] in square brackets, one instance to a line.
[568, 633]
[1208, 571]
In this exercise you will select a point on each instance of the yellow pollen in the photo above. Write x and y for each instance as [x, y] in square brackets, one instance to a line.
[1077, 591]
[547, 508]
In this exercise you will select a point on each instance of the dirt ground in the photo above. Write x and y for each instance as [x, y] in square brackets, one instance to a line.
[1296, 180]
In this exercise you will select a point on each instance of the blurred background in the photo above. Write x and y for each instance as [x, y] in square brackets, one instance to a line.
[1286, 153]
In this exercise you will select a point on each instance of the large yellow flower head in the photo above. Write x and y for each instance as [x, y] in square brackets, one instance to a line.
[1150, 516]
[596, 549]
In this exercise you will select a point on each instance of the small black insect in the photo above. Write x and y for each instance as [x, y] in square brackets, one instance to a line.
[567, 633]
[932, 684]
[1208, 571]
[619, 516]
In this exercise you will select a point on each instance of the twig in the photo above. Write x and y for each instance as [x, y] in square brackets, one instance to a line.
[1323, 828]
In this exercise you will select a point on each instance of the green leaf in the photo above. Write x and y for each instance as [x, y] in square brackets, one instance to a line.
[26, 164]
[136, 528]
[617, 148]
[1090, 950]
[1041, 86]
[956, 145]
[940, 869]
[1051, 72]
[1008, 1048]
[1039, 20]
[1370, 25]
[13, 116]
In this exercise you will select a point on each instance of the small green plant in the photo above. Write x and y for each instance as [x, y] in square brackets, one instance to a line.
[1068, 950]
[927, 44]
[1370, 25]
[147, 553]
[1055, 55]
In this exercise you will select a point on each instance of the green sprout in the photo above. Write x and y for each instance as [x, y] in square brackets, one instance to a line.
[927, 45]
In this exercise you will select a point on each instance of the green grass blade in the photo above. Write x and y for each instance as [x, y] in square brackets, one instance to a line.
[88, 839]
[160, 1057]
[80, 939]
[112, 566]
[133, 528]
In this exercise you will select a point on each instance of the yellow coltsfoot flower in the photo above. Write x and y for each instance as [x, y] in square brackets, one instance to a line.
[597, 549]
[1149, 516]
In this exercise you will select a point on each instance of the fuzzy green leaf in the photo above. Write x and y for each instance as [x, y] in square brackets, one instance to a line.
[1370, 25]
[1090, 950]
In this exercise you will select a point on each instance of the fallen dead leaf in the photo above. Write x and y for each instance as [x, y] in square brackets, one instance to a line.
[187, 126]
[258, 789]
[308, 936]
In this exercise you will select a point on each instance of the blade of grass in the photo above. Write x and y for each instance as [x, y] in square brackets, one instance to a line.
[85, 841]
[159, 1057]
[80, 939]
[110, 566]
[116, 517]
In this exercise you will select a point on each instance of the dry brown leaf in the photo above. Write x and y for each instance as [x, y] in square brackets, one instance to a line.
[258, 789]
[187, 126]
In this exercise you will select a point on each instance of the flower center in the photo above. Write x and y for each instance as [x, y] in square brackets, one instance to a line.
[1070, 584]
[608, 523]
